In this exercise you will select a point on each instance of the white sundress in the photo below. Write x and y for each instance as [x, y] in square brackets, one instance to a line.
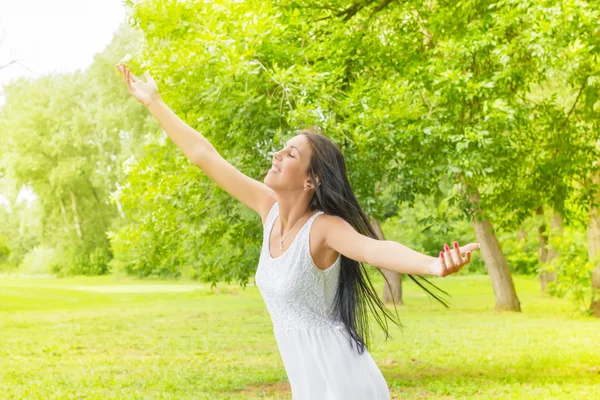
[317, 355]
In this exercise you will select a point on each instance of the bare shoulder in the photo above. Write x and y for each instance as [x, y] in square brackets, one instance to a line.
[323, 255]
[334, 233]
[324, 223]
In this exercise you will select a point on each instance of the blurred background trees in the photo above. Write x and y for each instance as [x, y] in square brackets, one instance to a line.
[475, 120]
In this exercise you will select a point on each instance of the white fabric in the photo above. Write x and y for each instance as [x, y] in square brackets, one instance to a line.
[319, 360]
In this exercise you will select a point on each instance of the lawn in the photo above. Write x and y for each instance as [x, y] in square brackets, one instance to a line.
[121, 338]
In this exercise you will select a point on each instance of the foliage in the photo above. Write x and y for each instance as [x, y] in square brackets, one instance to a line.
[427, 100]
[40, 260]
[19, 227]
[573, 268]
[65, 138]
[522, 253]
[402, 112]
[4, 250]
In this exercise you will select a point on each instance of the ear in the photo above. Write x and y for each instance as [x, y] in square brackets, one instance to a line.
[310, 184]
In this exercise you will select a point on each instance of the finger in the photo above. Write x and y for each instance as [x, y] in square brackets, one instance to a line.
[120, 68]
[469, 247]
[128, 80]
[129, 70]
[443, 262]
[456, 254]
[132, 76]
[448, 256]
[148, 77]
[468, 257]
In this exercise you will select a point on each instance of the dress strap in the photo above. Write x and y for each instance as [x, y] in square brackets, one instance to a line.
[271, 218]
[311, 219]
[308, 224]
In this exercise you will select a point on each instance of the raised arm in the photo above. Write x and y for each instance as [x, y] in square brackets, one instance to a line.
[198, 149]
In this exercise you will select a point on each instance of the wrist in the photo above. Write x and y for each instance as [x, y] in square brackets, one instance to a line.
[433, 267]
[154, 100]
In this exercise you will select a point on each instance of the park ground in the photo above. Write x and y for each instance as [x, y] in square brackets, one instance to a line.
[122, 338]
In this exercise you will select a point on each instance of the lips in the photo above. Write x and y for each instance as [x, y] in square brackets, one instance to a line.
[275, 169]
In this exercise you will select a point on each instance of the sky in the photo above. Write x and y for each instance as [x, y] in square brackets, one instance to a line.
[53, 36]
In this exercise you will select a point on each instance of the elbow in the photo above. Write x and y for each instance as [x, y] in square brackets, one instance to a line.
[380, 254]
[199, 155]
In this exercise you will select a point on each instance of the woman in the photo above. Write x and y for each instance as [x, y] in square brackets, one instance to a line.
[312, 279]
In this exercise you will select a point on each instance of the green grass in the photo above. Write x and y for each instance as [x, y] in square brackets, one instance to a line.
[108, 338]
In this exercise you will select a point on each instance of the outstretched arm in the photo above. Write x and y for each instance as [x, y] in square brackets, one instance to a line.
[198, 149]
[393, 256]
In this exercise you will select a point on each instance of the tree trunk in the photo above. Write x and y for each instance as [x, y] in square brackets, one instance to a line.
[556, 230]
[392, 293]
[76, 215]
[542, 246]
[522, 235]
[495, 262]
[119, 207]
[593, 237]
[63, 211]
[546, 252]
[542, 235]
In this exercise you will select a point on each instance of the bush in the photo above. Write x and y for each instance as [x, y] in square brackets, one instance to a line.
[521, 255]
[573, 269]
[39, 260]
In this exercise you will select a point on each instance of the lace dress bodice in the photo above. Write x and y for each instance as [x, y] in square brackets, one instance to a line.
[296, 292]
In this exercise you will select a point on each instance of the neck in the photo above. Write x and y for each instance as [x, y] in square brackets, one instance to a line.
[291, 209]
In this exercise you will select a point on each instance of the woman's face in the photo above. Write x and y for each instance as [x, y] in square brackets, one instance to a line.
[290, 165]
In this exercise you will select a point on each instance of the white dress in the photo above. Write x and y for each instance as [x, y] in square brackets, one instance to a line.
[318, 358]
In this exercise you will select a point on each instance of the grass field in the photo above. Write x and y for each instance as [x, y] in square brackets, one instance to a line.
[109, 338]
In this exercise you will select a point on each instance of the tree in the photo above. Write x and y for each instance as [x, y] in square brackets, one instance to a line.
[63, 134]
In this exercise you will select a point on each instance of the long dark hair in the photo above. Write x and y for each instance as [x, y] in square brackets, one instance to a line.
[355, 292]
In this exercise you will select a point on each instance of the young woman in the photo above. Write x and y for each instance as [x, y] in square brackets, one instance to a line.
[310, 271]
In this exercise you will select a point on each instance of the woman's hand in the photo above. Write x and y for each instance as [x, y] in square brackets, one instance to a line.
[452, 261]
[144, 92]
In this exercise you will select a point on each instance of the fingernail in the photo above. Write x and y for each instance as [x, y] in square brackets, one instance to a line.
[441, 254]
[446, 247]
[456, 244]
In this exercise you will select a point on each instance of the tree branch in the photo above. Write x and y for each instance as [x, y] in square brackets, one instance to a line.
[576, 101]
